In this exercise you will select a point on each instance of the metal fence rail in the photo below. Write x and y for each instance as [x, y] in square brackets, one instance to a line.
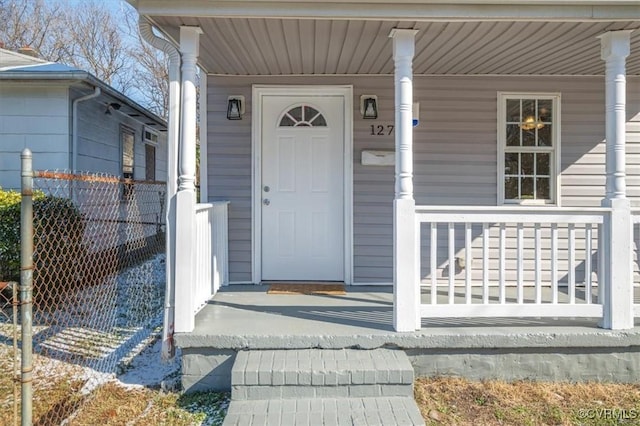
[98, 286]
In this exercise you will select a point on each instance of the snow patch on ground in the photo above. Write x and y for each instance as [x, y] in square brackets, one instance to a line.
[146, 369]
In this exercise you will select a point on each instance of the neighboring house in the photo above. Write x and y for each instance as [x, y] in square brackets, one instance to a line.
[73, 121]
[480, 156]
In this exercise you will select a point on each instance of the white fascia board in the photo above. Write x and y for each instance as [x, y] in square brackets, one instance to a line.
[446, 10]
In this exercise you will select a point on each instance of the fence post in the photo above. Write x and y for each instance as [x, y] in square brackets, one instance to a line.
[26, 283]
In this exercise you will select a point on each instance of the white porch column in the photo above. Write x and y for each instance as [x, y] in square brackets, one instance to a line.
[406, 289]
[618, 231]
[186, 195]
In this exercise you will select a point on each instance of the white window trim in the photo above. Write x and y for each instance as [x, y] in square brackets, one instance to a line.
[557, 153]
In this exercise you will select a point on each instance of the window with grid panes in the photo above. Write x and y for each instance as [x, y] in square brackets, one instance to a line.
[529, 148]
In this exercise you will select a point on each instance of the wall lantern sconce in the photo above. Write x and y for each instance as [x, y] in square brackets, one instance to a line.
[369, 106]
[235, 107]
[111, 107]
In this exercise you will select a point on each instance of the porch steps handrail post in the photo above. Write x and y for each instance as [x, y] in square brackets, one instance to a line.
[186, 195]
[406, 289]
[618, 231]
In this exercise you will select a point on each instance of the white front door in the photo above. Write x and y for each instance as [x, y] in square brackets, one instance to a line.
[302, 188]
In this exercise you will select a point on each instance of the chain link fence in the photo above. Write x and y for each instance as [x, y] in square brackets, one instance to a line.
[98, 284]
[9, 354]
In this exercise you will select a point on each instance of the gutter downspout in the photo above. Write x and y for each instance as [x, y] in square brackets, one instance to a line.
[74, 141]
[173, 138]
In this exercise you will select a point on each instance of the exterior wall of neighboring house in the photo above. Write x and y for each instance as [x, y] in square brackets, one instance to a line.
[100, 150]
[39, 117]
[100, 144]
[455, 153]
[36, 117]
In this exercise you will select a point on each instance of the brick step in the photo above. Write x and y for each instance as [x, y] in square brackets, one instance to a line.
[325, 411]
[308, 373]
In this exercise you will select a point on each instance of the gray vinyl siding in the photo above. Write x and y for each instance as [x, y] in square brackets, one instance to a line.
[455, 153]
[34, 117]
[229, 174]
[99, 147]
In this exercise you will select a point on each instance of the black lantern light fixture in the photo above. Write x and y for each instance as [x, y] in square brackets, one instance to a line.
[369, 106]
[111, 107]
[235, 107]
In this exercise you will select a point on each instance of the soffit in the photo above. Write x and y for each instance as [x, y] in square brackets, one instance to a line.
[266, 46]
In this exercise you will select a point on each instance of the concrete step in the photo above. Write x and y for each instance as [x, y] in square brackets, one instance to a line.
[378, 411]
[322, 373]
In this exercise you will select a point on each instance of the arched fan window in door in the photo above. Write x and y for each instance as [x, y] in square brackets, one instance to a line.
[303, 116]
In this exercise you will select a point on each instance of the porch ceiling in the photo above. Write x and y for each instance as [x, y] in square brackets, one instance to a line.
[268, 46]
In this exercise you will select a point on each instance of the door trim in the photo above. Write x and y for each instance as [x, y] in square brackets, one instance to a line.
[258, 92]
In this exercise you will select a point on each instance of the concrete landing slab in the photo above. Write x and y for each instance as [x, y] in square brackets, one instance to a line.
[245, 317]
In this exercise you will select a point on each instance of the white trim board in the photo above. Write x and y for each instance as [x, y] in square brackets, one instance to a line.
[258, 92]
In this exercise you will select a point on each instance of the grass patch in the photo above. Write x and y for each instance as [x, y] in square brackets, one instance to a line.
[56, 389]
[112, 404]
[442, 401]
[449, 401]
[58, 396]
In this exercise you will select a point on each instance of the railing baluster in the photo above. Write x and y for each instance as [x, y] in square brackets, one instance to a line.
[502, 262]
[601, 265]
[211, 251]
[588, 285]
[452, 262]
[554, 263]
[485, 263]
[572, 264]
[538, 266]
[467, 262]
[433, 263]
[199, 272]
[528, 245]
[520, 262]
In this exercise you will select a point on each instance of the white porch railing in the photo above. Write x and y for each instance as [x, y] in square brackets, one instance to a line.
[636, 262]
[211, 264]
[510, 262]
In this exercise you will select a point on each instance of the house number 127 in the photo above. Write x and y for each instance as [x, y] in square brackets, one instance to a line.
[380, 130]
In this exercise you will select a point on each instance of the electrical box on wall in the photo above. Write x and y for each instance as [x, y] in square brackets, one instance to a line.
[378, 158]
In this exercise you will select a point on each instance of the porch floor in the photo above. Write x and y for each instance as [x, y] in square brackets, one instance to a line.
[245, 317]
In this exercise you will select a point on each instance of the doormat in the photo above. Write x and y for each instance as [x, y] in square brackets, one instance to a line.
[307, 288]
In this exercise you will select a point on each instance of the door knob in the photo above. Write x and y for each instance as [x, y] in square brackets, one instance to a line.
[266, 202]
[266, 188]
